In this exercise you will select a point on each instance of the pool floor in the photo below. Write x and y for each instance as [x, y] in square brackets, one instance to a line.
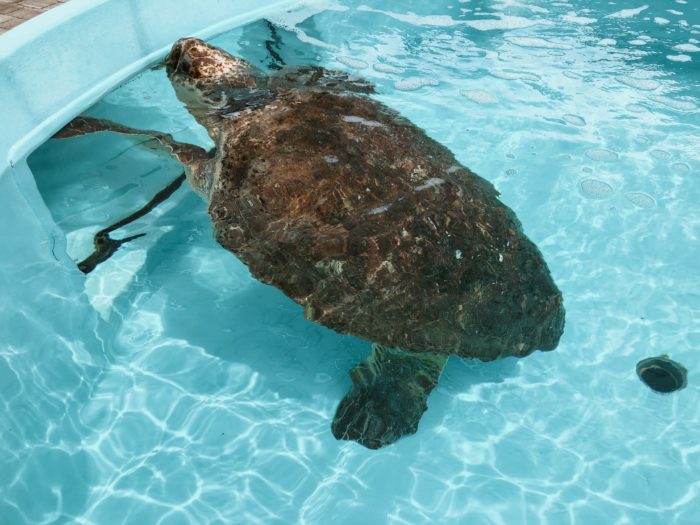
[184, 391]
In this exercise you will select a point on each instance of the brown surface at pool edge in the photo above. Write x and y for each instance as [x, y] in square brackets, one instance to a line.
[14, 12]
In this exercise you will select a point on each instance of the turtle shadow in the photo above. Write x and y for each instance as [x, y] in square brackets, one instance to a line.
[460, 378]
[207, 297]
[261, 328]
[264, 330]
[462, 374]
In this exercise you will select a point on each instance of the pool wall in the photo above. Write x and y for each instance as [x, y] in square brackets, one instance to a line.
[61, 62]
[51, 341]
[57, 65]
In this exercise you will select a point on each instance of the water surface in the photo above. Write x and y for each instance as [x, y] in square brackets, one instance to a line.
[210, 398]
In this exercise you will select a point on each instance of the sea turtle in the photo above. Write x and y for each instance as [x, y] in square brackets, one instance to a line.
[365, 221]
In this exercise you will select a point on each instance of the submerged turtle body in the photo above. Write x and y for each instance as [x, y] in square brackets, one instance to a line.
[361, 218]
[377, 230]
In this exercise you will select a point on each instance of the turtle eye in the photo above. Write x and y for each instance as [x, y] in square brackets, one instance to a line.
[173, 59]
[184, 65]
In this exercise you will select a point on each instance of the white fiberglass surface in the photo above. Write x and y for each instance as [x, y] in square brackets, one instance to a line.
[209, 397]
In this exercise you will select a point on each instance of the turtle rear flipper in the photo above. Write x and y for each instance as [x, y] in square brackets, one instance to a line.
[388, 396]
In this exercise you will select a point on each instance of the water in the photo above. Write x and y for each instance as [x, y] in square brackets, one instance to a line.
[199, 395]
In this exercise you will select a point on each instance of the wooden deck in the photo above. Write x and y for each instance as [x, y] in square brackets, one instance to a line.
[14, 12]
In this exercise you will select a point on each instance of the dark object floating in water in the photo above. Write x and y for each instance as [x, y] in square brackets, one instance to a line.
[662, 374]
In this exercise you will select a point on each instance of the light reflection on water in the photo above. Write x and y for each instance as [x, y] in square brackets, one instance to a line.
[213, 398]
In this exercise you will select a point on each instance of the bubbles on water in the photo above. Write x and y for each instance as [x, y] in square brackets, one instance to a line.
[411, 84]
[322, 377]
[602, 154]
[286, 377]
[680, 104]
[413, 18]
[575, 120]
[635, 108]
[596, 189]
[387, 68]
[687, 48]
[572, 74]
[638, 42]
[479, 96]
[627, 13]
[643, 84]
[524, 41]
[680, 167]
[511, 171]
[660, 154]
[607, 42]
[641, 200]
[509, 74]
[587, 169]
[573, 18]
[353, 63]
[503, 23]
[679, 58]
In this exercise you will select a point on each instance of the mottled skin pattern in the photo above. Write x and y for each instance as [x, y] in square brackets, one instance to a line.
[369, 224]
[377, 231]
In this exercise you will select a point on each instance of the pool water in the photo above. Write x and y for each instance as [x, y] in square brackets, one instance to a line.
[206, 397]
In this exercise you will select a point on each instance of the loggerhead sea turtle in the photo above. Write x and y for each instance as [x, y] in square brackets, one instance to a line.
[365, 221]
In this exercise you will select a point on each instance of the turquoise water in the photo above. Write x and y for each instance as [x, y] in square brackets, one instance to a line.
[198, 395]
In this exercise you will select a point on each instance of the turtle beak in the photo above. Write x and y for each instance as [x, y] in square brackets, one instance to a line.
[171, 61]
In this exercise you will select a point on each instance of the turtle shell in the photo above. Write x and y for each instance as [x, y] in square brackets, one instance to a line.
[377, 231]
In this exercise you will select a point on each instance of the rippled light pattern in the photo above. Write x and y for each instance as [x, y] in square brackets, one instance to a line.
[171, 388]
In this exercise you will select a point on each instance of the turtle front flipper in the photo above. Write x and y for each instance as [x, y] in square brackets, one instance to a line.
[194, 159]
[187, 154]
[388, 396]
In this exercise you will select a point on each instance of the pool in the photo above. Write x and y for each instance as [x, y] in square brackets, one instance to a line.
[170, 387]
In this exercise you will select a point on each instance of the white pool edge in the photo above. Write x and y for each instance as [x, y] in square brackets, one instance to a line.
[52, 68]
[61, 62]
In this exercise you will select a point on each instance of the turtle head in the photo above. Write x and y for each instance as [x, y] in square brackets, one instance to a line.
[209, 81]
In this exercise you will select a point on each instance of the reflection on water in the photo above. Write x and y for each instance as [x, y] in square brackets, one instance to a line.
[212, 399]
